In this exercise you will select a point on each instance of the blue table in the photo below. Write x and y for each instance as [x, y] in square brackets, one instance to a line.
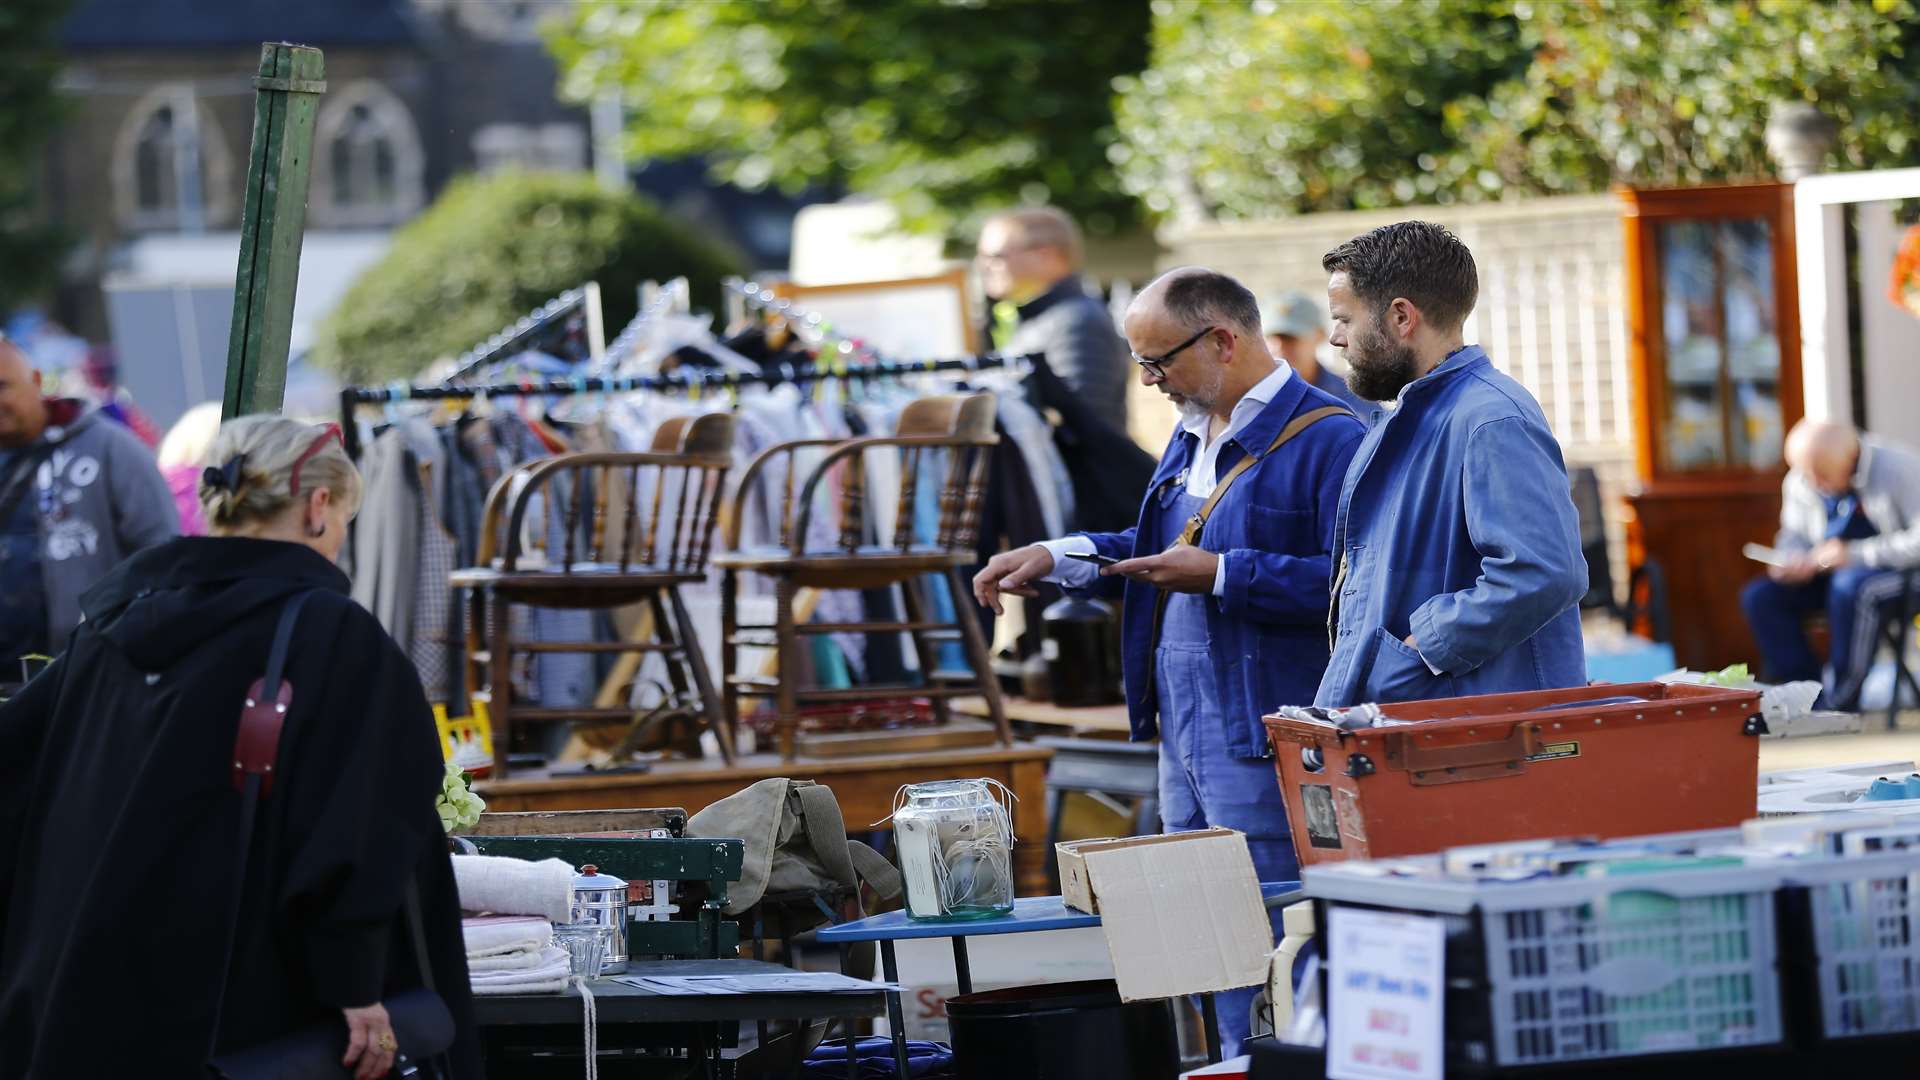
[1030, 915]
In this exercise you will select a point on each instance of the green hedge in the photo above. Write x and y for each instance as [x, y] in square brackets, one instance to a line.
[491, 249]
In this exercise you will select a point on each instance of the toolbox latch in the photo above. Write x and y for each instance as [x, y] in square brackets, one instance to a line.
[1455, 763]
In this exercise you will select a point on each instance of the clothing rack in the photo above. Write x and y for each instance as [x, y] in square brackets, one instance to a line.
[511, 338]
[353, 397]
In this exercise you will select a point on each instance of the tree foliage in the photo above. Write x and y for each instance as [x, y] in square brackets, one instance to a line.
[30, 251]
[1678, 91]
[491, 249]
[1249, 109]
[948, 108]
[1256, 109]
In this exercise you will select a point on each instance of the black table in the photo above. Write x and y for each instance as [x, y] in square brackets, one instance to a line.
[620, 1003]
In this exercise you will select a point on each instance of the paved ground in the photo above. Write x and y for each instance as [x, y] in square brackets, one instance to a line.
[1874, 743]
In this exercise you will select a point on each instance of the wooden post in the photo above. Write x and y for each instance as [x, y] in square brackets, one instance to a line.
[287, 95]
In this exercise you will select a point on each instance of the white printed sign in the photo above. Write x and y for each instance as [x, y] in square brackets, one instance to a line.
[1385, 984]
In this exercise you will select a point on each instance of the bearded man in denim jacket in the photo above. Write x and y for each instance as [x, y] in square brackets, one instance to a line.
[1457, 550]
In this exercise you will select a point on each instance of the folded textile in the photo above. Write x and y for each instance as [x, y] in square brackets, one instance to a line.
[549, 975]
[518, 960]
[503, 937]
[515, 886]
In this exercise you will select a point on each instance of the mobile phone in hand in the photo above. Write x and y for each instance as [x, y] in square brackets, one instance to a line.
[1093, 557]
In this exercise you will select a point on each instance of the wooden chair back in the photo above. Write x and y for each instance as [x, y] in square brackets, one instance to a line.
[652, 512]
[947, 440]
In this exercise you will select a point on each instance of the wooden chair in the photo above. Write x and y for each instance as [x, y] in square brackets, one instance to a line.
[598, 531]
[958, 427]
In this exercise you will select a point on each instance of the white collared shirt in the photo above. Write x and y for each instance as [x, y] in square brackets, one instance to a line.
[1201, 478]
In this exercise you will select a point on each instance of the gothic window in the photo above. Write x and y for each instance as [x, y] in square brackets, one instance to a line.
[369, 165]
[170, 165]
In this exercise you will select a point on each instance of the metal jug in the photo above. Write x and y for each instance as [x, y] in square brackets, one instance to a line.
[601, 900]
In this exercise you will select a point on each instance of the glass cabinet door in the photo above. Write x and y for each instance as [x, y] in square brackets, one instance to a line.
[1718, 321]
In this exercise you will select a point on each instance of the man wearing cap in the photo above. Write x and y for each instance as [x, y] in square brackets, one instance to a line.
[1295, 331]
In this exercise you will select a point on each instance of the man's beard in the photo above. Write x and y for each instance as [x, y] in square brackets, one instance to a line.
[1200, 404]
[1379, 370]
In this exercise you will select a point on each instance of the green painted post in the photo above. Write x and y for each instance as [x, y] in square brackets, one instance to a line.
[287, 95]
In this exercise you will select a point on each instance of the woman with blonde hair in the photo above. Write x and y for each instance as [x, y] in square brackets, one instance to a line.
[183, 455]
[124, 887]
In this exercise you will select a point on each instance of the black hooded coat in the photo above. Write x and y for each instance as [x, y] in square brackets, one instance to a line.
[119, 822]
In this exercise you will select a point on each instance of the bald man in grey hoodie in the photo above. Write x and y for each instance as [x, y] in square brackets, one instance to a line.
[78, 493]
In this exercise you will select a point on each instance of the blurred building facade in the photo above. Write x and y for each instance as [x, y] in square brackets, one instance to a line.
[148, 168]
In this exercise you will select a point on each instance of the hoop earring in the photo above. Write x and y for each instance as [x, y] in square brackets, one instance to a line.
[319, 532]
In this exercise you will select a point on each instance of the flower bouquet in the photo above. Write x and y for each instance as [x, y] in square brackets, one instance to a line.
[459, 807]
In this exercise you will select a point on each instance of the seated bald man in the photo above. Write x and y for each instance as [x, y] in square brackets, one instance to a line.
[1850, 521]
[1224, 625]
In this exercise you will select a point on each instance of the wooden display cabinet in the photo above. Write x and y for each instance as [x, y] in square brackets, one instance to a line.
[1716, 366]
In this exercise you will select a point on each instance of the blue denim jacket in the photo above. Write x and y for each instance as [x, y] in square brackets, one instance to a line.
[1456, 525]
[1275, 524]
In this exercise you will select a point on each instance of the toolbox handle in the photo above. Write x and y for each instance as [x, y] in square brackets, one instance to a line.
[1456, 763]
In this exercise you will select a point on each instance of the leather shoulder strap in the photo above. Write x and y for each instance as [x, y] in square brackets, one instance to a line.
[1191, 534]
[256, 745]
[257, 741]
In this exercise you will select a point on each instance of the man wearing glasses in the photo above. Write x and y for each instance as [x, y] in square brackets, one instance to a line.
[1225, 576]
[1030, 267]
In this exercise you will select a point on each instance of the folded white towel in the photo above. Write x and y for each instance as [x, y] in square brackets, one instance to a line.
[554, 985]
[515, 886]
[549, 975]
[518, 960]
[505, 936]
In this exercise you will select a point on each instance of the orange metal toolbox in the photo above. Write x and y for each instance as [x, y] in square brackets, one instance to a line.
[1604, 761]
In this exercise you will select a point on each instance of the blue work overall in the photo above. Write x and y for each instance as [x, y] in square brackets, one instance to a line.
[1201, 783]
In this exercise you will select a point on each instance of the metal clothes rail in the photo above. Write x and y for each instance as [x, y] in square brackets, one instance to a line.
[695, 380]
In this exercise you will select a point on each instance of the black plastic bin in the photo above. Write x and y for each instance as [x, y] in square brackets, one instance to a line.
[1067, 1031]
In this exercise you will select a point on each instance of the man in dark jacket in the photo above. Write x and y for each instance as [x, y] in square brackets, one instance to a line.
[78, 493]
[1030, 265]
[1215, 634]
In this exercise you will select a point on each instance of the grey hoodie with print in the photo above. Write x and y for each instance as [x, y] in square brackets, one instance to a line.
[99, 498]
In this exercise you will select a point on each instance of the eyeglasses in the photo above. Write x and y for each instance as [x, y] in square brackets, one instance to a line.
[1005, 253]
[1156, 366]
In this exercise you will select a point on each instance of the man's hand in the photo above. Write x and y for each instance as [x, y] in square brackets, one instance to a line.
[1181, 568]
[1011, 572]
[1831, 554]
[1800, 570]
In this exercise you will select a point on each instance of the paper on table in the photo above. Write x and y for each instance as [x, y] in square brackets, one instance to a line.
[782, 982]
[1384, 1016]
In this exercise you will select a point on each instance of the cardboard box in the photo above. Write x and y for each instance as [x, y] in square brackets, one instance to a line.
[1181, 913]
[1076, 890]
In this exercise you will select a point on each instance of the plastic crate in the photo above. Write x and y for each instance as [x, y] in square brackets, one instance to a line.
[1564, 970]
[1865, 916]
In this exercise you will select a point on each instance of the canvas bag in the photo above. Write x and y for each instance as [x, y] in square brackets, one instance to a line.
[796, 843]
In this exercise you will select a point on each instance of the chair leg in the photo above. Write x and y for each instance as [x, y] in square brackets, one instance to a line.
[666, 634]
[787, 699]
[923, 647]
[729, 652]
[1902, 634]
[500, 683]
[979, 658]
[696, 662]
